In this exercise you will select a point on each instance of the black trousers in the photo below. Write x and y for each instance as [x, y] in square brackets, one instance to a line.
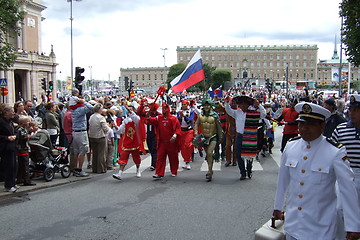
[151, 143]
[23, 175]
[9, 161]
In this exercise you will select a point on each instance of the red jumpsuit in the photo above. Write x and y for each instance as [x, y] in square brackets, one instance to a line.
[129, 144]
[166, 127]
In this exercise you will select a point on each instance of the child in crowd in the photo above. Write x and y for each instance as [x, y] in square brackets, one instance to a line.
[74, 101]
[22, 151]
[110, 144]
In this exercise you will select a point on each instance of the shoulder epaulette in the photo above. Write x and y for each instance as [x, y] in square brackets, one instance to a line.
[336, 144]
[294, 138]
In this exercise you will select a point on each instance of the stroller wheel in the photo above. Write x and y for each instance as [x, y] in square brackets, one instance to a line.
[65, 171]
[49, 174]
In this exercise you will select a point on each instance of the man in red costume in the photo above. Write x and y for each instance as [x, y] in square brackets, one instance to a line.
[289, 115]
[141, 111]
[130, 143]
[186, 120]
[167, 130]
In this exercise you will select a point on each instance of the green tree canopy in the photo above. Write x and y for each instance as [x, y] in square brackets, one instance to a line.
[219, 77]
[350, 11]
[10, 17]
[174, 71]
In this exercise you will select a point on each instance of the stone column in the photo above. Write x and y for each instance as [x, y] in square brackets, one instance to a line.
[28, 88]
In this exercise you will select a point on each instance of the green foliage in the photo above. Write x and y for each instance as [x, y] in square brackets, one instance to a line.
[10, 17]
[219, 77]
[350, 11]
[174, 71]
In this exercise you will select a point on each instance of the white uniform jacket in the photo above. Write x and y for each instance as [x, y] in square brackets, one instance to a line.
[308, 173]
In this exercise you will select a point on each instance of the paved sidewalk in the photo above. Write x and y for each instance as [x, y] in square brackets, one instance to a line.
[41, 184]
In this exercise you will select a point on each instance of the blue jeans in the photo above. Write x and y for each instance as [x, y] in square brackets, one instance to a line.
[238, 144]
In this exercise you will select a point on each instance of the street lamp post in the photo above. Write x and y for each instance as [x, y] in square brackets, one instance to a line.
[287, 81]
[164, 49]
[71, 37]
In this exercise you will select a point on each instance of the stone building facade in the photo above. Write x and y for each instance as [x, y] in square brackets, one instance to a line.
[258, 63]
[31, 65]
[147, 78]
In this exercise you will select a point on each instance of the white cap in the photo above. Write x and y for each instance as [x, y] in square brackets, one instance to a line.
[311, 112]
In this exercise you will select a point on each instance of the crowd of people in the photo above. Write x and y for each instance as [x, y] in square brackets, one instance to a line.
[320, 144]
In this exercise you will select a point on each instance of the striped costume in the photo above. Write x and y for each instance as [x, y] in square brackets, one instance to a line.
[249, 143]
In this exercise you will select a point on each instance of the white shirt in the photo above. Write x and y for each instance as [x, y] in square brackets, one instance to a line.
[308, 173]
[239, 116]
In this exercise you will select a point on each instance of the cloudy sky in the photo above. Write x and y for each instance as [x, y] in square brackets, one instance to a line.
[113, 34]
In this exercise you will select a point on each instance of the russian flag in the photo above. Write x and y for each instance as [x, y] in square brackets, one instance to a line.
[192, 74]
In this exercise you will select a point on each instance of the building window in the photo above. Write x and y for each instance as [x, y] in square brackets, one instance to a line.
[213, 58]
[207, 58]
[188, 58]
[305, 57]
[264, 57]
[181, 58]
[265, 65]
[258, 64]
[219, 65]
[278, 57]
[284, 57]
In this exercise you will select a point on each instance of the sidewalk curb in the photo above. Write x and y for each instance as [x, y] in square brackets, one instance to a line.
[42, 184]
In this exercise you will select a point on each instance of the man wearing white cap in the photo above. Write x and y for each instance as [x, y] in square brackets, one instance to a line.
[310, 166]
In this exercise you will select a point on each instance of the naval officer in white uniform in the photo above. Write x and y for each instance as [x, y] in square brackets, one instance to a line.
[310, 166]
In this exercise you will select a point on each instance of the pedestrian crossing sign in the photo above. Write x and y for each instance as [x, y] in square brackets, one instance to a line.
[3, 82]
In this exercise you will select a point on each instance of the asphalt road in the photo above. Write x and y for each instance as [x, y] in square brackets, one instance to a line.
[182, 207]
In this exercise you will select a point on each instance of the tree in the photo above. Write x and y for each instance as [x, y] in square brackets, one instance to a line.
[10, 19]
[174, 71]
[350, 11]
[219, 77]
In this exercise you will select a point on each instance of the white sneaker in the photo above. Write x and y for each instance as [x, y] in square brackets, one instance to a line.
[117, 176]
[187, 166]
[138, 173]
[82, 174]
[12, 190]
[173, 175]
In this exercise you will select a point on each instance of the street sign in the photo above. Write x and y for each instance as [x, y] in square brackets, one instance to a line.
[4, 91]
[3, 82]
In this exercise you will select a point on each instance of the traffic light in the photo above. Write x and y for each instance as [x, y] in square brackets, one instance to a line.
[131, 84]
[126, 79]
[51, 85]
[79, 78]
[43, 83]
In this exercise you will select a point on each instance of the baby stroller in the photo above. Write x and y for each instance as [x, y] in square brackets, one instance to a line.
[45, 160]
